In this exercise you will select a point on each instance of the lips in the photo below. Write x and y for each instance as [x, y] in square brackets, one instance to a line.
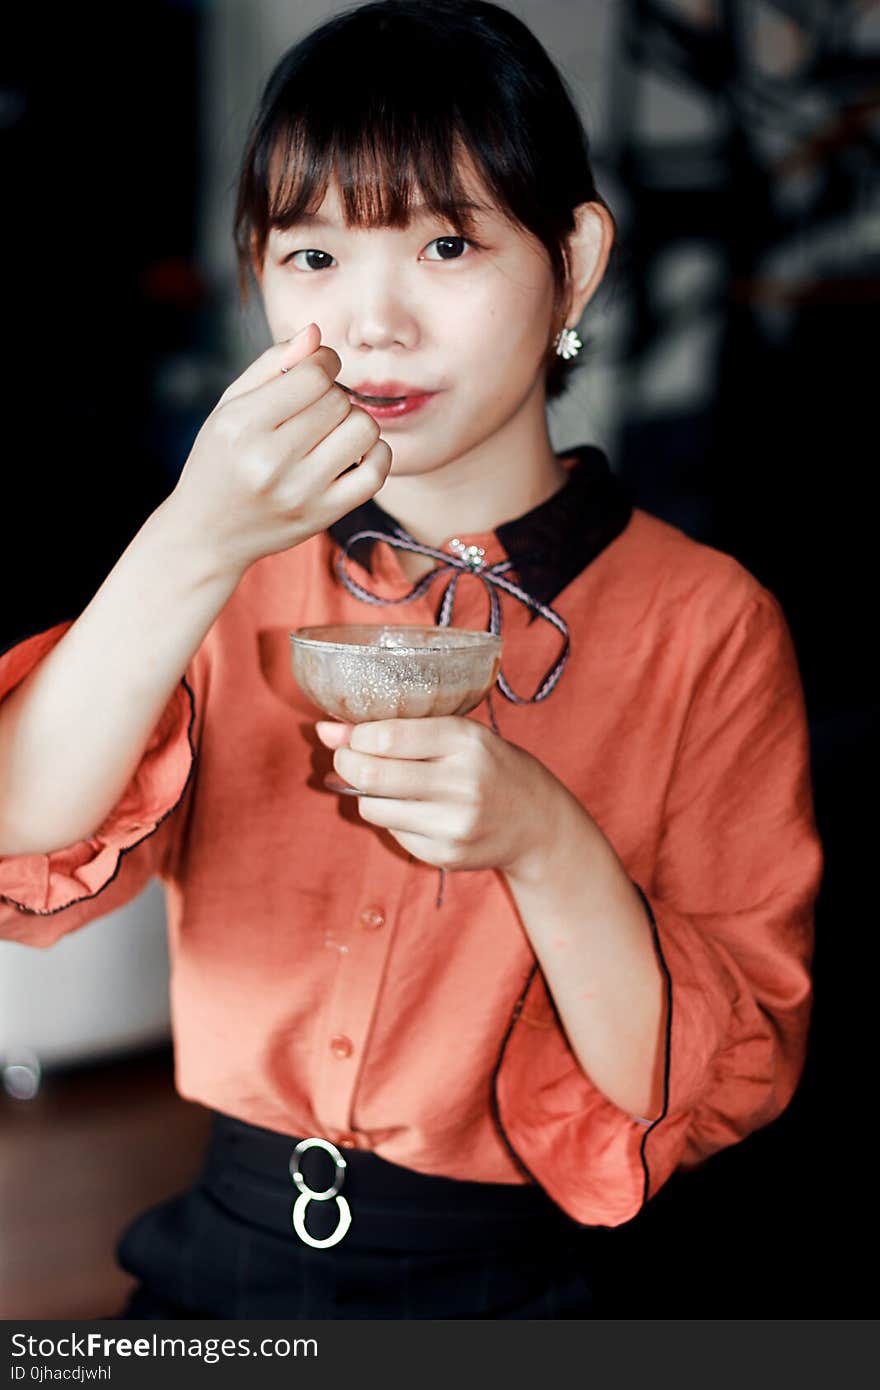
[389, 390]
[390, 411]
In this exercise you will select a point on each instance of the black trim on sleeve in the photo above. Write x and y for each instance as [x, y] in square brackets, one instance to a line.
[667, 1039]
[74, 902]
[517, 1010]
[496, 1109]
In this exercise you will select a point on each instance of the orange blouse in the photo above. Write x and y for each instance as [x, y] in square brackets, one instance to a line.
[316, 989]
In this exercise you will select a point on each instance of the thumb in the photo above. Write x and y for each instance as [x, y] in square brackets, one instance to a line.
[278, 357]
[301, 345]
[333, 735]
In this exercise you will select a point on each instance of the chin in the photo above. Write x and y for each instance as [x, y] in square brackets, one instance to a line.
[411, 467]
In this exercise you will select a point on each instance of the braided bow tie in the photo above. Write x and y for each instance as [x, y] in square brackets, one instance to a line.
[466, 559]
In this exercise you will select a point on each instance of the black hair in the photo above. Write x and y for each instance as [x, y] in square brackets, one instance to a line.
[387, 96]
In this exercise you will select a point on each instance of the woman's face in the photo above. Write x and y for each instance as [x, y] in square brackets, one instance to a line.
[424, 308]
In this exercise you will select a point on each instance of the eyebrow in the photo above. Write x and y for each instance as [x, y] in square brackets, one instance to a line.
[420, 213]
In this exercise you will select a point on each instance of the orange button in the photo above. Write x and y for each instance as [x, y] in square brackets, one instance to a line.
[341, 1046]
[347, 1141]
[372, 918]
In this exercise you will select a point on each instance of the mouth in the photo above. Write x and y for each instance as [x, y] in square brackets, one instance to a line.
[386, 393]
[401, 405]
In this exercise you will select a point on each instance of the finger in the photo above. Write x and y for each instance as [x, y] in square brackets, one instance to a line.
[333, 414]
[415, 738]
[351, 450]
[288, 396]
[332, 733]
[278, 364]
[300, 346]
[280, 355]
[388, 777]
[404, 817]
[355, 482]
[441, 853]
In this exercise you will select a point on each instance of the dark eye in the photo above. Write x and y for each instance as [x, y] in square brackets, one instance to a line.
[310, 265]
[447, 245]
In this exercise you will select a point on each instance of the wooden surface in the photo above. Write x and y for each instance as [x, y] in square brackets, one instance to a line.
[94, 1148]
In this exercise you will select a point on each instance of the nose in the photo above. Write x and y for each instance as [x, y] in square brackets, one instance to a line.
[379, 314]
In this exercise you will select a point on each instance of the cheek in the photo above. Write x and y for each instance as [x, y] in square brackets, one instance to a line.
[512, 317]
[461, 319]
[276, 318]
[484, 324]
[282, 303]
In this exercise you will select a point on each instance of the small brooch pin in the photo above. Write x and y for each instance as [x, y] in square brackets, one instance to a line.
[471, 554]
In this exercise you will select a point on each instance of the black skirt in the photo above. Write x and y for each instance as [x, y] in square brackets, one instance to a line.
[416, 1247]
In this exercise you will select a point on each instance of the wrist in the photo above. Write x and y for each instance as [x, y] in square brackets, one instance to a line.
[175, 530]
[567, 835]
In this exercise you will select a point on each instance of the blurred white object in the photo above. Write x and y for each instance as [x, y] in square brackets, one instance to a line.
[99, 991]
[22, 1073]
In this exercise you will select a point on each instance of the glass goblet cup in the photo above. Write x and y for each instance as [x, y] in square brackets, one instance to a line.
[358, 672]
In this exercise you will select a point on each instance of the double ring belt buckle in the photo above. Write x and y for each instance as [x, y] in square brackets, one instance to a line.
[306, 1194]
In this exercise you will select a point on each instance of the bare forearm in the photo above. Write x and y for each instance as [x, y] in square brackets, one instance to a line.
[72, 734]
[588, 929]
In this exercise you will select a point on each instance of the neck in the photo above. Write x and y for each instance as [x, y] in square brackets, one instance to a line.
[501, 478]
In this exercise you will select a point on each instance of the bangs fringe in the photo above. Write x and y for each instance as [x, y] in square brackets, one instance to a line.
[379, 176]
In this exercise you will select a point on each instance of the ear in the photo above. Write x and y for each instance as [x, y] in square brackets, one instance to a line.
[589, 249]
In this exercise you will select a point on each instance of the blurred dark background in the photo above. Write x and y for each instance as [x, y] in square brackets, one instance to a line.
[730, 372]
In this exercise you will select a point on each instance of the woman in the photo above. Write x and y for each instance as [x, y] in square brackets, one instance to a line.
[425, 1106]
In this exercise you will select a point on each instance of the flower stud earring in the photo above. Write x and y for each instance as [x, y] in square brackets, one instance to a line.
[567, 344]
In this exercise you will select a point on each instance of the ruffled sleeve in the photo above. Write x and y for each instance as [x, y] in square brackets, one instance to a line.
[45, 896]
[730, 904]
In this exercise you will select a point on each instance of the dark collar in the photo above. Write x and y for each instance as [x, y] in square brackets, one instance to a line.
[550, 544]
